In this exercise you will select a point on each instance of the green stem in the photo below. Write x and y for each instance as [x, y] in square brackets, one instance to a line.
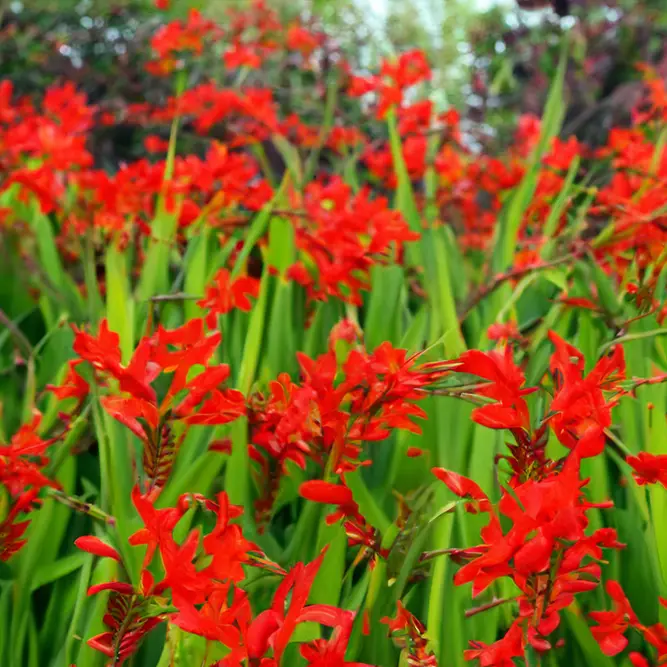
[630, 337]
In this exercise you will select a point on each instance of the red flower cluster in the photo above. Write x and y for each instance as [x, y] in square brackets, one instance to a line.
[209, 599]
[649, 468]
[332, 416]
[226, 294]
[250, 114]
[410, 634]
[207, 190]
[196, 393]
[22, 476]
[612, 626]
[38, 145]
[578, 414]
[409, 69]
[536, 533]
[174, 40]
[632, 199]
[341, 236]
[539, 537]
[545, 551]
[581, 412]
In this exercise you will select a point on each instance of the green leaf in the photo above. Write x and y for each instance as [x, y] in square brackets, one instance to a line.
[258, 228]
[437, 599]
[505, 241]
[367, 503]
[154, 278]
[405, 199]
[237, 474]
[557, 209]
[383, 317]
[120, 304]
[49, 573]
[584, 638]
[608, 298]
[53, 268]
[452, 337]
[253, 340]
[290, 155]
[417, 547]
[196, 270]
[327, 586]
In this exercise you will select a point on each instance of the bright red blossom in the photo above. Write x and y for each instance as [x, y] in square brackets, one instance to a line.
[649, 468]
[227, 293]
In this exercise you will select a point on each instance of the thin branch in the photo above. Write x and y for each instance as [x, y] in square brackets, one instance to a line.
[19, 337]
[177, 296]
[496, 602]
[630, 337]
[483, 291]
[82, 506]
[430, 555]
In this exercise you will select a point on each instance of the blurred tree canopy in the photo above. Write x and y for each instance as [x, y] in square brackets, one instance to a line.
[492, 64]
[515, 52]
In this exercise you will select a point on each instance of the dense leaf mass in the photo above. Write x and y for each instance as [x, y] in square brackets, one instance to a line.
[319, 395]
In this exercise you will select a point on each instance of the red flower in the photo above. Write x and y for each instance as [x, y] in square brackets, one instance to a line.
[221, 407]
[73, 386]
[347, 331]
[224, 618]
[463, 487]
[22, 462]
[649, 468]
[415, 117]
[504, 332]
[225, 294]
[177, 38]
[158, 525]
[500, 653]
[95, 546]
[410, 633]
[11, 530]
[389, 96]
[360, 86]
[358, 531]
[325, 492]
[562, 153]
[241, 55]
[506, 387]
[580, 412]
[331, 653]
[528, 132]
[410, 68]
[103, 353]
[155, 144]
[274, 627]
[612, 625]
[301, 39]
[228, 549]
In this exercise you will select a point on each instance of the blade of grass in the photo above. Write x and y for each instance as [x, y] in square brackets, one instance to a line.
[507, 232]
[120, 304]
